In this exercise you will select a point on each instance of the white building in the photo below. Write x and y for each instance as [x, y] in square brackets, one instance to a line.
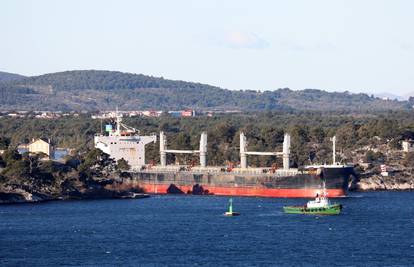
[408, 146]
[41, 146]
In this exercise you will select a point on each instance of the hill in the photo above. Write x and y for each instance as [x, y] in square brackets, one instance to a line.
[6, 76]
[102, 90]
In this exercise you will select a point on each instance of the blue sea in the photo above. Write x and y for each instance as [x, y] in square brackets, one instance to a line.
[375, 229]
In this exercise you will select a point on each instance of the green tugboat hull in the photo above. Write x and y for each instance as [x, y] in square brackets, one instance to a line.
[329, 210]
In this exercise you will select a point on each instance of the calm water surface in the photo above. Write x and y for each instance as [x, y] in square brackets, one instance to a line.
[375, 229]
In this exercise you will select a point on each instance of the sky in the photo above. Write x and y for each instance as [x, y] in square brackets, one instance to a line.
[354, 45]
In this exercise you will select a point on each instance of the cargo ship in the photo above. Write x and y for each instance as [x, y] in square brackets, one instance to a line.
[126, 142]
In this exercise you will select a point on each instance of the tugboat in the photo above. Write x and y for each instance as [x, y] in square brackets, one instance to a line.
[320, 206]
[231, 212]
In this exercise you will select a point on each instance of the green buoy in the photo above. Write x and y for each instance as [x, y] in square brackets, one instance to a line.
[231, 212]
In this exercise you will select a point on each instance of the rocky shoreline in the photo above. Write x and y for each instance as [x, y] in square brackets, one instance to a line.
[21, 196]
[30, 179]
[380, 183]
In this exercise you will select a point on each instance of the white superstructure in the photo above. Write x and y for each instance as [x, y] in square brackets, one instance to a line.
[124, 142]
[321, 201]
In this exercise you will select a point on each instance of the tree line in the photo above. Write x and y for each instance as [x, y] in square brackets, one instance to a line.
[310, 134]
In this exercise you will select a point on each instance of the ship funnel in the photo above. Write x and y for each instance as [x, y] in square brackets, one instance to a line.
[203, 149]
[286, 151]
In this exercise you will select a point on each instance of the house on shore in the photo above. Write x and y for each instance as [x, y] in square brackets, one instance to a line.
[41, 145]
[408, 146]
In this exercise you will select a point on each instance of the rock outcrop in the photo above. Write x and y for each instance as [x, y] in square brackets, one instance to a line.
[9, 196]
[71, 185]
[399, 181]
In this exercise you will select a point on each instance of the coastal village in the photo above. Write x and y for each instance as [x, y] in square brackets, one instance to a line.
[186, 113]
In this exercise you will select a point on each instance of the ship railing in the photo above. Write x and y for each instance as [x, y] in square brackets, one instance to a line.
[182, 170]
[265, 171]
[218, 170]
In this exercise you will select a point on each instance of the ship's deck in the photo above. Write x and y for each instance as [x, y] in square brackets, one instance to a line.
[216, 170]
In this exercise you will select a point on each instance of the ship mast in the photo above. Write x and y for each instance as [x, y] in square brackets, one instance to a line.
[118, 122]
[333, 139]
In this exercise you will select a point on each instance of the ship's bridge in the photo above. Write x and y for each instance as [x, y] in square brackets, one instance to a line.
[124, 142]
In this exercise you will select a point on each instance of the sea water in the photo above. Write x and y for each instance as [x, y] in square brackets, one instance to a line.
[374, 229]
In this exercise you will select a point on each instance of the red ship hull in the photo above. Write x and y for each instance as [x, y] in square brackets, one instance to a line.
[301, 184]
[245, 191]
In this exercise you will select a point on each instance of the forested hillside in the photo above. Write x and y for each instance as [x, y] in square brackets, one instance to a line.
[103, 90]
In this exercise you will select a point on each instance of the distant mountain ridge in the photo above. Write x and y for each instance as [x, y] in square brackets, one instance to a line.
[103, 90]
[6, 76]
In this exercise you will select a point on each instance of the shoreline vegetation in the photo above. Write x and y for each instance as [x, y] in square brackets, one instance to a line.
[365, 140]
[33, 178]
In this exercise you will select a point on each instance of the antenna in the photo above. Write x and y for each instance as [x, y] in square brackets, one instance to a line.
[325, 193]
